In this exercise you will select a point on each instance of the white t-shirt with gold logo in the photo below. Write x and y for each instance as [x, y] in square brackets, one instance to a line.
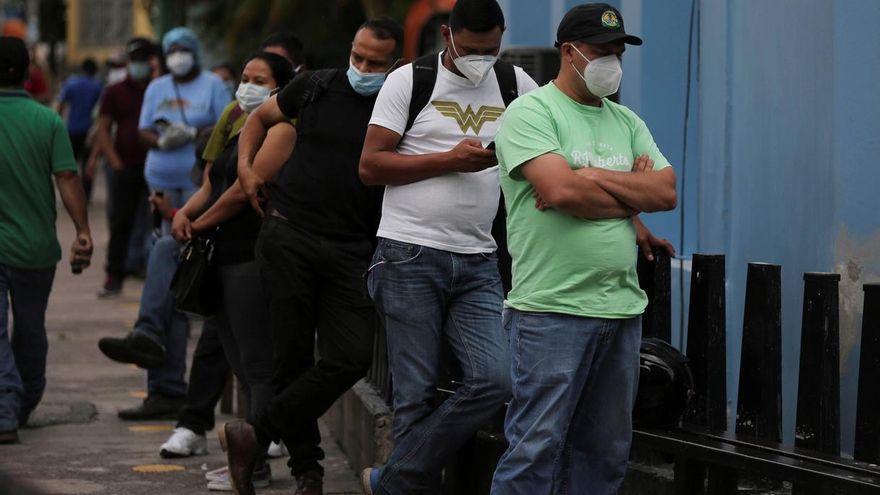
[451, 212]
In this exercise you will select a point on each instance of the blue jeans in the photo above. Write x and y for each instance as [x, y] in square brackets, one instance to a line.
[158, 320]
[23, 359]
[425, 296]
[570, 421]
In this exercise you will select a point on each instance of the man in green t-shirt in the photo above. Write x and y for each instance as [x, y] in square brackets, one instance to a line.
[576, 169]
[34, 147]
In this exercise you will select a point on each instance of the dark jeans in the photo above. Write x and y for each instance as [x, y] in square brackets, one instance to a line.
[23, 359]
[158, 320]
[243, 326]
[128, 192]
[207, 380]
[312, 283]
[81, 155]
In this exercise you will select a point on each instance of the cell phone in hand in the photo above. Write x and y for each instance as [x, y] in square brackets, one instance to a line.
[490, 146]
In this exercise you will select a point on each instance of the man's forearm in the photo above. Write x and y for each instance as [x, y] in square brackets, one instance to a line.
[393, 169]
[104, 144]
[641, 191]
[74, 198]
[584, 198]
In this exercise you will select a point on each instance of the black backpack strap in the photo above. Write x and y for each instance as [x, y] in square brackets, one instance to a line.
[506, 75]
[318, 82]
[424, 77]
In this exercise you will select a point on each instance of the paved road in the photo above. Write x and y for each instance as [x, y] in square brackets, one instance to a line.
[89, 450]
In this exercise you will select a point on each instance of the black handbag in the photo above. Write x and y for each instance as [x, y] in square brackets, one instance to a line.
[195, 286]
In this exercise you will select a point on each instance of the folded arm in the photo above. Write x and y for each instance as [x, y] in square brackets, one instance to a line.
[572, 193]
[647, 191]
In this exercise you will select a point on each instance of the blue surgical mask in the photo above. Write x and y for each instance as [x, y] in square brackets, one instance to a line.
[139, 70]
[365, 83]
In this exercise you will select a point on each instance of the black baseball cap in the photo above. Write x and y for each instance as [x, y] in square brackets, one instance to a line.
[14, 60]
[593, 23]
[140, 46]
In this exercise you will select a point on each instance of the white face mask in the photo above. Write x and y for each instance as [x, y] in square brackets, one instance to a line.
[180, 63]
[602, 74]
[250, 96]
[116, 75]
[473, 67]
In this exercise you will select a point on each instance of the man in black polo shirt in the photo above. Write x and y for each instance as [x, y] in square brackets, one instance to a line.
[315, 244]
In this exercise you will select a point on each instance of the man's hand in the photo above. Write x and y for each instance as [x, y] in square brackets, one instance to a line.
[162, 205]
[81, 251]
[181, 228]
[254, 188]
[647, 242]
[643, 163]
[470, 156]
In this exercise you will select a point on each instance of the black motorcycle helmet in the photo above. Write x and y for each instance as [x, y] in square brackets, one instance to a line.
[666, 385]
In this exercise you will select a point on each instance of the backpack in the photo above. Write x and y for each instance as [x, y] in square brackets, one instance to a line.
[424, 78]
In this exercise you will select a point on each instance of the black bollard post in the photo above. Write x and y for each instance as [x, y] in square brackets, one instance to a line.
[706, 350]
[655, 278]
[818, 407]
[867, 446]
[759, 405]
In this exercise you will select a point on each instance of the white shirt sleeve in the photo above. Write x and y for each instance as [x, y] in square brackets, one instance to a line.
[524, 82]
[392, 105]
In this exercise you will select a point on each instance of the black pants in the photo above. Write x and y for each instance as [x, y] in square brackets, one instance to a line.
[313, 284]
[207, 380]
[129, 192]
[243, 324]
[81, 155]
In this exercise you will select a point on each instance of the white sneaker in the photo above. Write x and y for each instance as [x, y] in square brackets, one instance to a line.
[221, 483]
[277, 450]
[217, 474]
[184, 443]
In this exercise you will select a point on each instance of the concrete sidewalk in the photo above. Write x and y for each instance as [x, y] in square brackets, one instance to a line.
[79, 446]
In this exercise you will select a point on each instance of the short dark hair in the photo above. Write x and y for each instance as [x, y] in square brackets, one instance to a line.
[290, 43]
[89, 66]
[227, 66]
[14, 61]
[281, 69]
[477, 16]
[386, 28]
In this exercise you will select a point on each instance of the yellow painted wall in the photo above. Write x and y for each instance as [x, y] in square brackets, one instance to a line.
[76, 53]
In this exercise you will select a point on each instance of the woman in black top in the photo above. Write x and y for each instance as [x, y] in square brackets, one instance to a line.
[220, 208]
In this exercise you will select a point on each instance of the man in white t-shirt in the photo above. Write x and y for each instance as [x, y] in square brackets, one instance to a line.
[434, 275]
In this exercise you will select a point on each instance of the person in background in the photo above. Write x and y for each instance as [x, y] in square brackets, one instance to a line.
[287, 45]
[175, 107]
[35, 149]
[227, 73]
[121, 107]
[573, 315]
[78, 97]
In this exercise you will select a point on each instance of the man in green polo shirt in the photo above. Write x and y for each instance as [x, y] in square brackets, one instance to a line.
[576, 169]
[34, 147]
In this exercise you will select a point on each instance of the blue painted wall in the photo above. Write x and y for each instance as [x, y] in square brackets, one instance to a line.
[780, 161]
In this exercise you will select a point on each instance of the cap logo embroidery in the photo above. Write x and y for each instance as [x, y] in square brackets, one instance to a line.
[609, 19]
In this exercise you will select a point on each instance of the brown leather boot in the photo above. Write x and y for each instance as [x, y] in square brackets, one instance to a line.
[242, 450]
[310, 483]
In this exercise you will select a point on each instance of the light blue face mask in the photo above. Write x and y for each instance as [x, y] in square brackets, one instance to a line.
[139, 70]
[365, 83]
